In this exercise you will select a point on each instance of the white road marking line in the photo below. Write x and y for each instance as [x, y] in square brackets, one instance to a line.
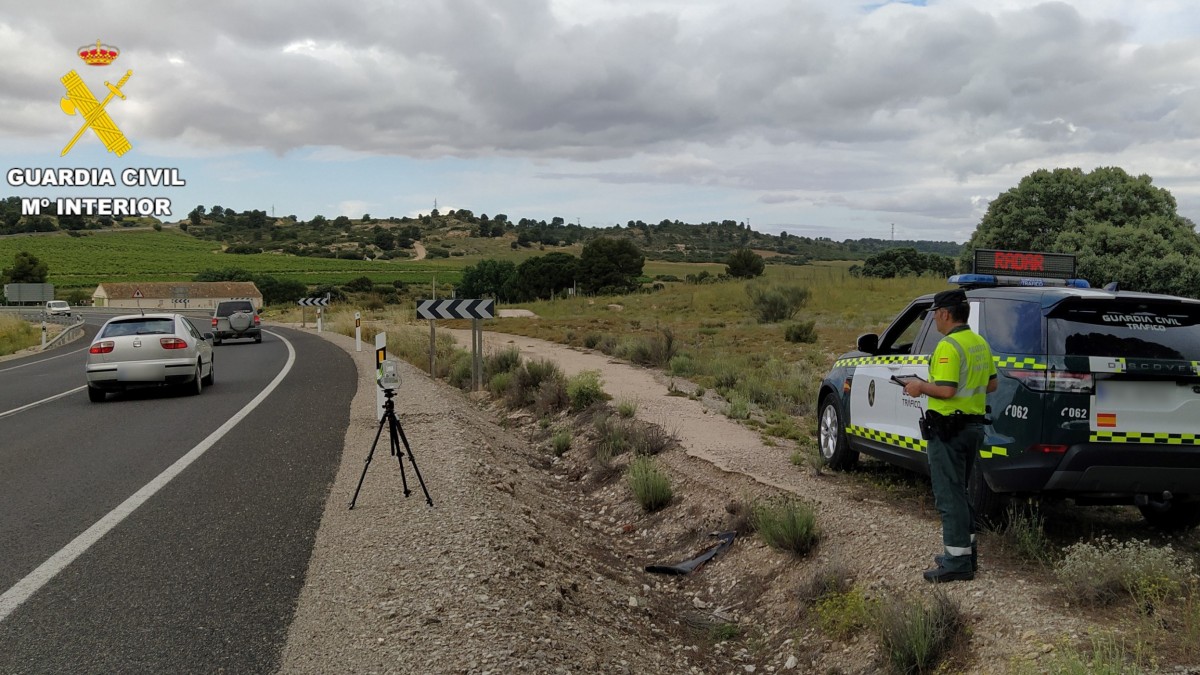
[34, 363]
[23, 589]
[14, 411]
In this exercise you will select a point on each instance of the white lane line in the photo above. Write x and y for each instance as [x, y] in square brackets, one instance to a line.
[34, 363]
[34, 581]
[14, 411]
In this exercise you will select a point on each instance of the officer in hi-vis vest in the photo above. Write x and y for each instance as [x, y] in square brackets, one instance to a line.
[961, 375]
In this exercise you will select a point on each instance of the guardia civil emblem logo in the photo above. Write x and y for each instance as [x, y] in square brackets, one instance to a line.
[80, 101]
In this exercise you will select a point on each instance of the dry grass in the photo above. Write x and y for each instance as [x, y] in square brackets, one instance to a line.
[16, 334]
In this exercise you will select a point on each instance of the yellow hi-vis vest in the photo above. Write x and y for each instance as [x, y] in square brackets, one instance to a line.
[962, 360]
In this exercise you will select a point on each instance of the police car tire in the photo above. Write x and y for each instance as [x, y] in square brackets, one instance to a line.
[1173, 516]
[841, 457]
[990, 508]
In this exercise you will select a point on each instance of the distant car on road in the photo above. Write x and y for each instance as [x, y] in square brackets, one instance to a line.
[58, 308]
[149, 350]
[235, 319]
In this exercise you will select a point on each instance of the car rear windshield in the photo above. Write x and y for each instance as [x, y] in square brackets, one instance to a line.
[227, 308]
[1125, 328]
[139, 327]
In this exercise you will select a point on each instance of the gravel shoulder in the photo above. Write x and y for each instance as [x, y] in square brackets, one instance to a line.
[530, 562]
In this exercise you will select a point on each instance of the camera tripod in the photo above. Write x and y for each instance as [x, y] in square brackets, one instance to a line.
[396, 434]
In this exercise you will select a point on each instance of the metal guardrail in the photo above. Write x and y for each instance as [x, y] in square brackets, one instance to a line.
[69, 333]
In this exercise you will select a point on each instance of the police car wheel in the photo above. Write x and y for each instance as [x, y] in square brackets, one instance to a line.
[831, 436]
[991, 509]
[1172, 515]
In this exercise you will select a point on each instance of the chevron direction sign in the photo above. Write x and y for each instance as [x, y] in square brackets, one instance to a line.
[456, 309]
[313, 302]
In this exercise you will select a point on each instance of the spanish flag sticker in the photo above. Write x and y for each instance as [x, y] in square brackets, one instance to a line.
[1106, 419]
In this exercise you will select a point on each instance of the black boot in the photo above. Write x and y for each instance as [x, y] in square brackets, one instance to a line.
[940, 559]
[941, 575]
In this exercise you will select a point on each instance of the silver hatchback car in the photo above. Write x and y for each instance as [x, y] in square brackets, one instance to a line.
[139, 350]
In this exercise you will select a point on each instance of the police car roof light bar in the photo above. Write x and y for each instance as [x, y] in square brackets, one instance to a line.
[993, 280]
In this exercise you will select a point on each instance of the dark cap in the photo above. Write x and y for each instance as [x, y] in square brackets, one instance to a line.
[952, 298]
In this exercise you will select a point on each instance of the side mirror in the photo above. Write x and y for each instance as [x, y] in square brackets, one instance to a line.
[868, 343]
[208, 336]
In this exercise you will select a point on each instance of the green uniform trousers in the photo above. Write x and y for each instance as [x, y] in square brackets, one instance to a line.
[950, 465]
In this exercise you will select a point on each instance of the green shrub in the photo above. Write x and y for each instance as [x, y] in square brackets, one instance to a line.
[916, 636]
[591, 340]
[1026, 533]
[561, 442]
[832, 578]
[16, 334]
[460, 371]
[648, 439]
[788, 525]
[682, 365]
[662, 348]
[1108, 655]
[627, 408]
[739, 407]
[504, 361]
[585, 389]
[613, 439]
[527, 380]
[1102, 572]
[772, 304]
[650, 486]
[842, 614]
[607, 344]
[801, 331]
[551, 396]
[498, 384]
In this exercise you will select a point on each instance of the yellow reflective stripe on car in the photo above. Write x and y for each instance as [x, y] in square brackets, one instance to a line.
[1016, 362]
[915, 444]
[1019, 363]
[1196, 367]
[1160, 438]
[876, 360]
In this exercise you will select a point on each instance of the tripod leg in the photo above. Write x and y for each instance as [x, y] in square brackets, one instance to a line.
[428, 499]
[393, 425]
[370, 454]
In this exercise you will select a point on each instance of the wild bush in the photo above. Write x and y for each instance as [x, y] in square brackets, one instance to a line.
[649, 484]
[1104, 571]
[801, 331]
[527, 380]
[648, 439]
[460, 371]
[843, 613]
[915, 635]
[551, 396]
[561, 442]
[772, 304]
[585, 389]
[788, 525]
[504, 361]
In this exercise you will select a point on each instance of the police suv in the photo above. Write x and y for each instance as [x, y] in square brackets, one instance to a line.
[1098, 398]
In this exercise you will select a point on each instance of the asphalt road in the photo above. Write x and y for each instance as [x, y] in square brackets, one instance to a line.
[203, 574]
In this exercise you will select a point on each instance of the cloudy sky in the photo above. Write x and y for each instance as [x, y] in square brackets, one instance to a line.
[817, 117]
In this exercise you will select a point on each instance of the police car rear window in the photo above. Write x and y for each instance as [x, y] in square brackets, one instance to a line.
[1150, 330]
[1013, 326]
